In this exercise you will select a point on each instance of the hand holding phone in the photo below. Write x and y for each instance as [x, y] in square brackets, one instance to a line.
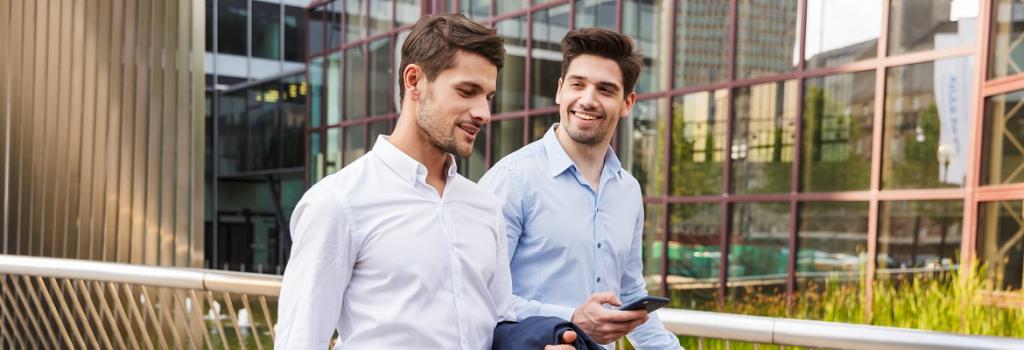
[650, 303]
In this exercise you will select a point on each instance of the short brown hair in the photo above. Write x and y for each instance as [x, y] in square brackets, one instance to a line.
[433, 41]
[607, 44]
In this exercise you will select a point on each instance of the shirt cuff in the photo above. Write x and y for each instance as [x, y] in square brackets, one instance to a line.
[563, 312]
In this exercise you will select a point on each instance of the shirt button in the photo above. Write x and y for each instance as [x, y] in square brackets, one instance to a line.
[599, 280]
[599, 245]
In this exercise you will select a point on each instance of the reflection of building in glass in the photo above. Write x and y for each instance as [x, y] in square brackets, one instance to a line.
[702, 49]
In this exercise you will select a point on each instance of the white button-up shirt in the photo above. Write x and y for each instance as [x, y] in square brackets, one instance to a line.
[380, 257]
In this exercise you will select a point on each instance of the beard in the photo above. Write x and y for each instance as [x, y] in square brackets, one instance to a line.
[436, 132]
[585, 138]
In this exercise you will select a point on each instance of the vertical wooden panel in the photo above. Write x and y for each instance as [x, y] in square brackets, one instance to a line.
[169, 133]
[182, 213]
[111, 153]
[38, 118]
[6, 48]
[124, 222]
[85, 217]
[142, 25]
[63, 120]
[49, 140]
[77, 85]
[17, 168]
[98, 241]
[153, 145]
[198, 135]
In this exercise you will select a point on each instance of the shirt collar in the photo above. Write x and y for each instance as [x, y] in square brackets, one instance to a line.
[559, 161]
[405, 166]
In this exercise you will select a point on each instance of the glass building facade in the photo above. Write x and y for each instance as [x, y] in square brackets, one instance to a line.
[255, 129]
[778, 143]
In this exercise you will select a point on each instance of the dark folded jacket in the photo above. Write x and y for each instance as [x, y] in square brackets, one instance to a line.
[534, 333]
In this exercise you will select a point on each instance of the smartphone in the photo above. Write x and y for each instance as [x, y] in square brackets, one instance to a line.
[650, 303]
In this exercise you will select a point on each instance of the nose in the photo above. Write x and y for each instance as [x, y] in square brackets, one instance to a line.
[481, 110]
[586, 99]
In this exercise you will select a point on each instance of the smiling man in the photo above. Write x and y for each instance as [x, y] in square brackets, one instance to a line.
[396, 250]
[575, 217]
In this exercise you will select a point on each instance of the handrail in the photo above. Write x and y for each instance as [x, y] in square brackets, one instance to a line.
[171, 277]
[764, 330]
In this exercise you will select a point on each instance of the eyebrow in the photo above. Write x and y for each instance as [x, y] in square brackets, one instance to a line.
[604, 84]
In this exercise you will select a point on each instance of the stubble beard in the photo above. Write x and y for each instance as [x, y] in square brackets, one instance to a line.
[433, 130]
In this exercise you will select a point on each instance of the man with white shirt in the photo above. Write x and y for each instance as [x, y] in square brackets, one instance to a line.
[575, 216]
[396, 250]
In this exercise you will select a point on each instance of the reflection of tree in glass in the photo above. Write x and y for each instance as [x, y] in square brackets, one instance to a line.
[831, 162]
[916, 166]
[697, 149]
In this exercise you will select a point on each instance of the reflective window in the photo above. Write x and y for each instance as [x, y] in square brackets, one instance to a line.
[767, 37]
[919, 25]
[266, 30]
[263, 137]
[232, 18]
[698, 142]
[694, 252]
[506, 137]
[653, 243]
[1007, 39]
[758, 248]
[648, 22]
[380, 76]
[503, 7]
[702, 42]
[762, 137]
[232, 140]
[837, 119]
[355, 20]
[332, 151]
[315, 38]
[841, 32]
[294, 31]
[293, 120]
[378, 129]
[919, 235]
[926, 130]
[511, 85]
[832, 242]
[999, 244]
[549, 26]
[316, 157]
[539, 125]
[1002, 152]
[380, 16]
[355, 143]
[473, 167]
[316, 91]
[209, 29]
[407, 11]
[355, 83]
[649, 121]
[333, 88]
[595, 13]
[334, 25]
[475, 9]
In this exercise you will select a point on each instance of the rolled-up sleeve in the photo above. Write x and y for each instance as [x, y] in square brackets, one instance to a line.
[318, 273]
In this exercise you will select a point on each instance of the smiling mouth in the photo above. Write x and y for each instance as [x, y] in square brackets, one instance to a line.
[470, 129]
[585, 116]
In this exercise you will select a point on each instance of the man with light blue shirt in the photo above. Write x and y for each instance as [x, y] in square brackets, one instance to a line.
[574, 216]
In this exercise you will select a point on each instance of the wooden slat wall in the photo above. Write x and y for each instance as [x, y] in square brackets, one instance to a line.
[101, 130]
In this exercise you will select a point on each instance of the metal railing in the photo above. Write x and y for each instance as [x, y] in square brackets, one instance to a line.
[59, 303]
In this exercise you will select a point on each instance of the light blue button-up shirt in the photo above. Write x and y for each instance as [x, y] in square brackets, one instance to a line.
[567, 241]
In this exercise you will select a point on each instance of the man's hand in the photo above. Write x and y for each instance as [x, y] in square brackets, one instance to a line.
[605, 326]
[567, 338]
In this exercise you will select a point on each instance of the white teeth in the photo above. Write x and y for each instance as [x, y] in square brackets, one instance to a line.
[585, 116]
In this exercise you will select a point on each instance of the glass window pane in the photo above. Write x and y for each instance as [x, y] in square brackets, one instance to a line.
[473, 167]
[539, 125]
[833, 240]
[476, 9]
[503, 7]
[595, 13]
[408, 11]
[702, 42]
[767, 37]
[208, 28]
[262, 128]
[698, 142]
[648, 22]
[1002, 152]
[316, 157]
[396, 60]
[355, 143]
[232, 16]
[694, 253]
[649, 120]
[332, 151]
[763, 136]
[654, 240]
[355, 20]
[506, 137]
[232, 127]
[294, 31]
[920, 25]
[380, 76]
[293, 120]
[378, 129]
[333, 88]
[355, 80]
[316, 91]
[315, 31]
[919, 234]
[926, 129]
[758, 248]
[838, 114]
[266, 30]
[380, 16]
[549, 26]
[999, 243]
[1007, 44]
[334, 25]
[841, 32]
[511, 85]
